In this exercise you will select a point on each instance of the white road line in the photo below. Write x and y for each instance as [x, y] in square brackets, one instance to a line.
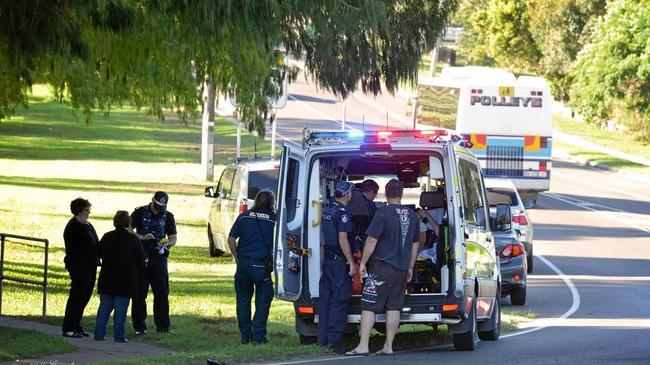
[609, 214]
[544, 323]
[601, 186]
[575, 297]
[309, 107]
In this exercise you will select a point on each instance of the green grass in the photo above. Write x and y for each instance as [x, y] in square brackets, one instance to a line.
[38, 182]
[22, 344]
[612, 139]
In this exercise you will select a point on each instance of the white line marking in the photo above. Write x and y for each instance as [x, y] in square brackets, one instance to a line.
[609, 214]
[309, 107]
[601, 186]
[575, 298]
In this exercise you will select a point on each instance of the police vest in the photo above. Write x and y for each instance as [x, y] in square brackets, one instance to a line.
[332, 217]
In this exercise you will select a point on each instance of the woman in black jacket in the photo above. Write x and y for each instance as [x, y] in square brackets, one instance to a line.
[121, 253]
[81, 262]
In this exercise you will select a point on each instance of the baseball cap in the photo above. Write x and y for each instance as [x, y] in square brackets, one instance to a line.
[160, 199]
[342, 187]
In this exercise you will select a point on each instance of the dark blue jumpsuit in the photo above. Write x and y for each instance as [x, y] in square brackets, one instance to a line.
[155, 274]
[254, 229]
[335, 286]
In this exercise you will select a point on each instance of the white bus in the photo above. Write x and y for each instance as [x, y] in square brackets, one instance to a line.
[507, 119]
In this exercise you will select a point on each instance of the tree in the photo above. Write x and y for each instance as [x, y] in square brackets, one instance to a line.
[612, 74]
[154, 53]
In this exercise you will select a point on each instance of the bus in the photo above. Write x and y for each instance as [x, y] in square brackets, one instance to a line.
[506, 118]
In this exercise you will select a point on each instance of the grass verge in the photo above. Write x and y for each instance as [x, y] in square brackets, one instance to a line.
[614, 139]
[22, 344]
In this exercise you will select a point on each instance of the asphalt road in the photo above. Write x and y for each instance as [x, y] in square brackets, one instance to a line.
[591, 284]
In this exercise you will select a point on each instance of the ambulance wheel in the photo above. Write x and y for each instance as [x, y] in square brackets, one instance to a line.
[307, 340]
[466, 341]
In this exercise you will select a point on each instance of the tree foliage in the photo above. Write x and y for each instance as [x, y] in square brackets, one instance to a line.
[154, 53]
[612, 74]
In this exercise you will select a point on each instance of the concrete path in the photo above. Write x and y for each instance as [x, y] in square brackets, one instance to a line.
[88, 350]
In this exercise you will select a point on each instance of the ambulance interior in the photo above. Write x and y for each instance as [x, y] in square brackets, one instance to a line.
[424, 188]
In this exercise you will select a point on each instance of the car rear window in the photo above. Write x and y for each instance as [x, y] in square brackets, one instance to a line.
[260, 180]
[499, 196]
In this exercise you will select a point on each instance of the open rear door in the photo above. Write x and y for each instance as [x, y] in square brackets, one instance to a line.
[288, 242]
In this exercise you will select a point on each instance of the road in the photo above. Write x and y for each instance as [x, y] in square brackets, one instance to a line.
[591, 284]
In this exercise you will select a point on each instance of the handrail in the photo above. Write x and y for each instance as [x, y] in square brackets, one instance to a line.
[4, 277]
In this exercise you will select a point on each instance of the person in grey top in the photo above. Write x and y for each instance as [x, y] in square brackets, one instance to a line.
[390, 252]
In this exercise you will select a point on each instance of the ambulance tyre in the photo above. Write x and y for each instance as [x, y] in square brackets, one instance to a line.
[307, 340]
[466, 341]
[491, 329]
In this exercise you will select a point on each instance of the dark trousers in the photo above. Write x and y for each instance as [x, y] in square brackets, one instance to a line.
[82, 283]
[156, 276]
[335, 290]
[253, 275]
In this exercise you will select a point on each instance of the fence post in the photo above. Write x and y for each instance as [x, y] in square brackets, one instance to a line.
[47, 250]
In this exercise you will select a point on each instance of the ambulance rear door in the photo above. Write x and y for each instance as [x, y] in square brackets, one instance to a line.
[288, 245]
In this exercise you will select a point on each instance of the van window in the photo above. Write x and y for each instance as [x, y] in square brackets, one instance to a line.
[236, 184]
[291, 192]
[225, 183]
[260, 180]
[473, 202]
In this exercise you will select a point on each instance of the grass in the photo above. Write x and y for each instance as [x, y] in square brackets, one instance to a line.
[612, 139]
[20, 344]
[38, 182]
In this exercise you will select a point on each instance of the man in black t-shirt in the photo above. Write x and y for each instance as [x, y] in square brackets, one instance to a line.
[391, 249]
[155, 227]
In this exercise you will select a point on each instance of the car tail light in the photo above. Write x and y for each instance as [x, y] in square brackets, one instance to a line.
[512, 250]
[520, 219]
[306, 310]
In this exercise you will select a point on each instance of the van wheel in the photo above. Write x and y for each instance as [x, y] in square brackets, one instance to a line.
[467, 341]
[307, 340]
[214, 251]
[518, 296]
[493, 324]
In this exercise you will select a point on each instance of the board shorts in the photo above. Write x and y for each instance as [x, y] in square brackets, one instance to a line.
[383, 289]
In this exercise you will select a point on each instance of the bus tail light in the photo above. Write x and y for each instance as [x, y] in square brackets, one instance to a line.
[543, 166]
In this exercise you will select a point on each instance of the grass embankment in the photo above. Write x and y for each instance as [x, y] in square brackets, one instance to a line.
[48, 159]
[20, 344]
[611, 139]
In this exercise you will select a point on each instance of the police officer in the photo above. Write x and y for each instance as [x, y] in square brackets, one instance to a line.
[253, 255]
[155, 227]
[335, 286]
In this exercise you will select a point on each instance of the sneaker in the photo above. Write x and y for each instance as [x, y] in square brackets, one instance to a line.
[141, 333]
[123, 340]
[165, 330]
[83, 333]
[100, 338]
[72, 334]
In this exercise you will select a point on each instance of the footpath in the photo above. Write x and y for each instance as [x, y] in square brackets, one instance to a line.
[88, 350]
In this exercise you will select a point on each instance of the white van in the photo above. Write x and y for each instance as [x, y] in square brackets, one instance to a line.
[461, 289]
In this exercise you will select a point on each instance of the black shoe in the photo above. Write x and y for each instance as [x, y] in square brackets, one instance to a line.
[245, 341]
[262, 341]
[124, 340]
[83, 333]
[140, 333]
[165, 330]
[215, 362]
[338, 348]
[72, 334]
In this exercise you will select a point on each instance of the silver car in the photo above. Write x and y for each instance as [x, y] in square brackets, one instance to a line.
[234, 194]
[502, 191]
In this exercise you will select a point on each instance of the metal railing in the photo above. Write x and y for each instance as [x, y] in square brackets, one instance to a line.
[3, 277]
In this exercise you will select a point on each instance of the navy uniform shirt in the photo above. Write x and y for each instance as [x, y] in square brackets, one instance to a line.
[335, 219]
[254, 229]
[144, 221]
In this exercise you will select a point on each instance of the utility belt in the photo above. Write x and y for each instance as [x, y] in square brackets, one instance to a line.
[336, 256]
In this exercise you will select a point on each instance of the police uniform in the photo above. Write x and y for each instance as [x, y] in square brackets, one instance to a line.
[335, 286]
[254, 231]
[155, 274]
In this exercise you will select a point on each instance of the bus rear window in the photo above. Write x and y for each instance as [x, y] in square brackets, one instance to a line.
[260, 180]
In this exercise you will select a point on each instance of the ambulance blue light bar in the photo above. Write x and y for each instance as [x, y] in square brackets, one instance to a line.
[367, 137]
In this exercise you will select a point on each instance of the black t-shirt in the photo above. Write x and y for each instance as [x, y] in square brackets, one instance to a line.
[396, 228]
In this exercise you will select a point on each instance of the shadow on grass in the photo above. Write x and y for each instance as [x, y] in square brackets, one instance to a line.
[607, 160]
[102, 185]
